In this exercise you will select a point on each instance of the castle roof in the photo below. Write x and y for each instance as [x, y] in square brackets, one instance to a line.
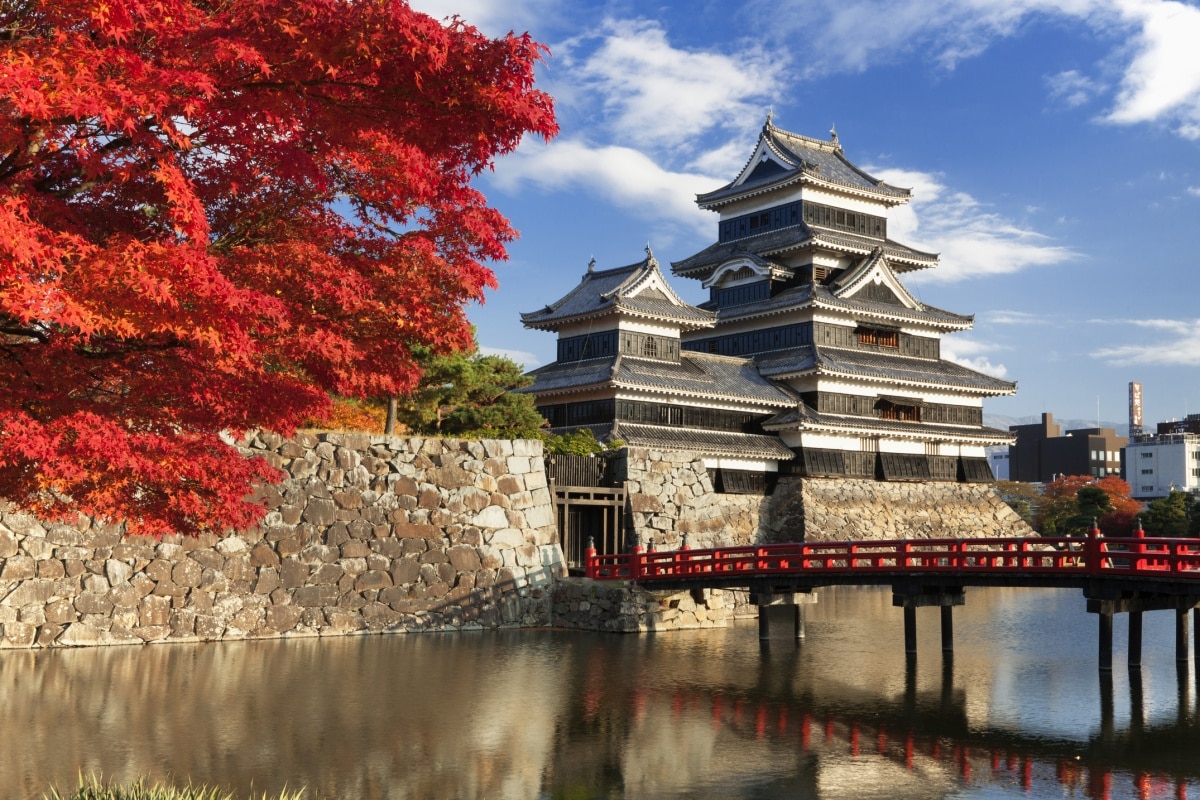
[781, 158]
[700, 375]
[885, 368]
[797, 237]
[729, 444]
[805, 418]
[637, 290]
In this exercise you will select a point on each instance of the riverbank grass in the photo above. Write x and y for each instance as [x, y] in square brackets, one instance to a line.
[95, 788]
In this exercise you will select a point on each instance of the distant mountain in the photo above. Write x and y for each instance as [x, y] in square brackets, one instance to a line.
[1004, 423]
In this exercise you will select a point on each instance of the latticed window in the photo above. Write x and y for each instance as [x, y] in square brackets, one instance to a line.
[879, 337]
[650, 347]
[899, 413]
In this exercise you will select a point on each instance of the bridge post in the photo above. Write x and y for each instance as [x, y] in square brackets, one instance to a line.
[1181, 635]
[1135, 640]
[765, 599]
[911, 597]
[1106, 639]
[910, 630]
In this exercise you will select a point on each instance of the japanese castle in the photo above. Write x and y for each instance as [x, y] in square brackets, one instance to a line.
[809, 358]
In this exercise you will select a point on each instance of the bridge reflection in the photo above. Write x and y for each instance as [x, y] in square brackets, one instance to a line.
[924, 730]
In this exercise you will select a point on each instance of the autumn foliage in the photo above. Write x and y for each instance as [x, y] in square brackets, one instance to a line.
[214, 214]
[1071, 502]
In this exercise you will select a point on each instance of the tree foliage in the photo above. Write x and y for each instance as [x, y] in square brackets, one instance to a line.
[579, 443]
[1071, 502]
[1176, 515]
[213, 215]
[470, 395]
[1021, 497]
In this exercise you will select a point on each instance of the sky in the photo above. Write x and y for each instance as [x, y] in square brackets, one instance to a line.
[1053, 150]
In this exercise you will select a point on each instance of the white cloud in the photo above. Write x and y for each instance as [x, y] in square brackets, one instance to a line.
[1009, 317]
[1163, 80]
[1194, 191]
[1180, 348]
[972, 240]
[623, 176]
[1156, 50]
[1073, 88]
[492, 18]
[972, 354]
[657, 96]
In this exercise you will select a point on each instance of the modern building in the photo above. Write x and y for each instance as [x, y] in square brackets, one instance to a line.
[1042, 452]
[1189, 424]
[998, 458]
[1155, 466]
[810, 354]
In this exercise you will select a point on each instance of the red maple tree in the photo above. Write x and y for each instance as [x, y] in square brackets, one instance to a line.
[213, 214]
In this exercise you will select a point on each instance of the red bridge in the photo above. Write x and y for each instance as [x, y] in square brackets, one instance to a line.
[1117, 575]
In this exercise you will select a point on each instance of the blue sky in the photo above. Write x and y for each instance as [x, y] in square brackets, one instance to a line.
[1053, 149]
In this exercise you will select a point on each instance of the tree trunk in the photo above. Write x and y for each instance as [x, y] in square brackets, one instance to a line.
[389, 425]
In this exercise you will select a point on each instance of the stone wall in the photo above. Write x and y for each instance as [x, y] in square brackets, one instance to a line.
[670, 494]
[367, 534]
[829, 509]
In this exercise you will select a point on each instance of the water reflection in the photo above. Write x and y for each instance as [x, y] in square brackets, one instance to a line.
[542, 714]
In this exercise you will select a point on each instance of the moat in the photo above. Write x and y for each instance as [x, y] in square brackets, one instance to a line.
[1020, 711]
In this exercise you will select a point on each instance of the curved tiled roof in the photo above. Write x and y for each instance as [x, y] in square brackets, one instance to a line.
[703, 374]
[604, 292]
[808, 158]
[822, 296]
[569, 375]
[804, 418]
[704, 442]
[696, 374]
[870, 365]
[901, 257]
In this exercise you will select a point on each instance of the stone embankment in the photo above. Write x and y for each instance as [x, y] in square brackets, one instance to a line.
[367, 533]
[372, 533]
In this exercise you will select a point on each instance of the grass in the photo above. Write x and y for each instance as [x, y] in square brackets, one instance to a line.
[96, 788]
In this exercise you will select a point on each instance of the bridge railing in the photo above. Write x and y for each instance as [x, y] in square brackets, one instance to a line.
[1094, 555]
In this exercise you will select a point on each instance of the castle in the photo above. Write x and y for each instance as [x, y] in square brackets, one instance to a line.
[809, 358]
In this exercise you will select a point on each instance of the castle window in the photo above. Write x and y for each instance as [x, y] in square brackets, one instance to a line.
[879, 337]
[650, 347]
[899, 409]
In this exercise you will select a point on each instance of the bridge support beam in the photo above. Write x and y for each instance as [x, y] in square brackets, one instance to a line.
[1106, 639]
[1181, 635]
[910, 597]
[1135, 640]
[796, 599]
[1134, 604]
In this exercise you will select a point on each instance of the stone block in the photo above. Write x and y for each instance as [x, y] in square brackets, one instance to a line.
[464, 558]
[494, 516]
[18, 568]
[315, 596]
[320, 512]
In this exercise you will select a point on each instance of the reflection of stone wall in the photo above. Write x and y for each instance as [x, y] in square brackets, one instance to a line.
[622, 608]
[367, 534]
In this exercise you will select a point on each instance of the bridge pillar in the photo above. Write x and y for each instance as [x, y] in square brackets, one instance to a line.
[1106, 639]
[1181, 635]
[765, 599]
[1135, 640]
[910, 597]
